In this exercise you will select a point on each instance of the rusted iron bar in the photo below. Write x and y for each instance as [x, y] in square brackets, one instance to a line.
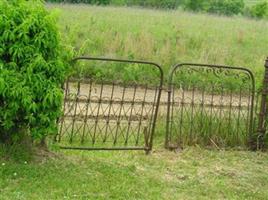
[263, 110]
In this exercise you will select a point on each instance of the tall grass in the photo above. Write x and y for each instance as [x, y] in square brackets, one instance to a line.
[166, 37]
[210, 129]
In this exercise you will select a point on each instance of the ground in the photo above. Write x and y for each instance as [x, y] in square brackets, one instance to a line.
[193, 173]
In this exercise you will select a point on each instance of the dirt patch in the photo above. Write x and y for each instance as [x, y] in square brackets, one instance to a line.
[107, 100]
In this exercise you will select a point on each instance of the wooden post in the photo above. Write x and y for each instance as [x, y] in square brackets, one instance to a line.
[263, 110]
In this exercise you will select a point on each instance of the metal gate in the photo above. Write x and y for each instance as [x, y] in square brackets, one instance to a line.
[209, 105]
[111, 111]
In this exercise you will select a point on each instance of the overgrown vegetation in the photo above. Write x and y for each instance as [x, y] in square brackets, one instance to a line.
[163, 37]
[32, 67]
[222, 7]
[168, 4]
[260, 10]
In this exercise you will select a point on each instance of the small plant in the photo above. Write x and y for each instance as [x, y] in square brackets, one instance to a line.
[32, 68]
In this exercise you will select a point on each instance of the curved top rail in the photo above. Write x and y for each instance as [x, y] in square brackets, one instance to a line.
[175, 67]
[124, 61]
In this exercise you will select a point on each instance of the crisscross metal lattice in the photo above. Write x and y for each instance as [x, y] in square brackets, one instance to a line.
[111, 113]
[209, 105]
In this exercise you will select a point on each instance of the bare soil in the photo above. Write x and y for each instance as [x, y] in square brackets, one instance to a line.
[113, 101]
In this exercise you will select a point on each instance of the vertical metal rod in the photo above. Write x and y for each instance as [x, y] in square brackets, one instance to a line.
[211, 111]
[192, 113]
[152, 110]
[109, 113]
[168, 121]
[221, 110]
[141, 115]
[239, 115]
[263, 109]
[182, 110]
[230, 113]
[173, 90]
[160, 87]
[152, 122]
[248, 111]
[119, 115]
[130, 115]
[86, 115]
[75, 110]
[97, 117]
[201, 125]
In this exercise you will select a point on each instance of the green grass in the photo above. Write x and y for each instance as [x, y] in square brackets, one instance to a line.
[210, 129]
[191, 174]
[166, 37]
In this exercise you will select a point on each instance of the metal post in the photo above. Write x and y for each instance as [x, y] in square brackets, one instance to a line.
[263, 109]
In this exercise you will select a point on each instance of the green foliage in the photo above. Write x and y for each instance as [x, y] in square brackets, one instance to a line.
[97, 2]
[32, 69]
[169, 4]
[260, 10]
[195, 5]
[224, 7]
[221, 7]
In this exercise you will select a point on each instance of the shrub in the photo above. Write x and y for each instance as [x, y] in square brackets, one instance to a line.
[260, 10]
[118, 2]
[226, 7]
[32, 69]
[169, 4]
[195, 5]
[98, 2]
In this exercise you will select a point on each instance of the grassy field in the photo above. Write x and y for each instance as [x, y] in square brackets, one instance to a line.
[166, 37]
[191, 174]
